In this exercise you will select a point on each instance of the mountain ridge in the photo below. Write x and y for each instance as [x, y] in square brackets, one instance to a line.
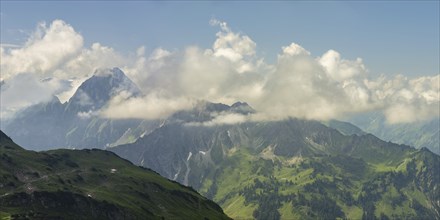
[232, 163]
[96, 91]
[91, 184]
[417, 134]
[76, 123]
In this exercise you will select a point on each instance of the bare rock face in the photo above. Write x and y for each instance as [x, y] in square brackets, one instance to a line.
[76, 123]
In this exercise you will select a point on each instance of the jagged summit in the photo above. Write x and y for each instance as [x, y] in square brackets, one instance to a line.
[96, 91]
[238, 104]
[205, 111]
[242, 108]
[210, 106]
[114, 72]
[76, 123]
[238, 107]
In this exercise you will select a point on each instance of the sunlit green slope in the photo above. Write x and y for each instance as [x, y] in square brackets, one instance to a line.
[294, 169]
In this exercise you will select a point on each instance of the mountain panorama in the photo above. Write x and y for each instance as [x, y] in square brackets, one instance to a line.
[78, 123]
[210, 161]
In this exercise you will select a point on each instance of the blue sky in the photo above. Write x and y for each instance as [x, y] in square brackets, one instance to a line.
[285, 58]
[391, 37]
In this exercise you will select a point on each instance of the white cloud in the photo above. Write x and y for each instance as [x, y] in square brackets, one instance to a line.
[341, 69]
[152, 106]
[68, 92]
[235, 47]
[223, 119]
[84, 99]
[297, 85]
[54, 51]
[90, 59]
[26, 89]
[48, 48]
[406, 100]
[87, 114]
[293, 50]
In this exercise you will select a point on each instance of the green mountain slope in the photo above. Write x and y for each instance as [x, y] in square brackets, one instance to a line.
[294, 169]
[90, 184]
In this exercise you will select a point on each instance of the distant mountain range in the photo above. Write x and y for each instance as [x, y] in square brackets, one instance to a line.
[417, 134]
[76, 123]
[294, 169]
[290, 169]
[90, 184]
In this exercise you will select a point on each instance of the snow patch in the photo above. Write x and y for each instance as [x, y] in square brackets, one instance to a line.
[143, 134]
[188, 169]
[176, 175]
[189, 156]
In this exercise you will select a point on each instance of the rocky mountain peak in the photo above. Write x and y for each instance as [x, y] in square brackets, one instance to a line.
[242, 108]
[114, 72]
[96, 91]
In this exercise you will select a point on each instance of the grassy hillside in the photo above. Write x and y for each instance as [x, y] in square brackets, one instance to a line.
[324, 187]
[295, 169]
[90, 184]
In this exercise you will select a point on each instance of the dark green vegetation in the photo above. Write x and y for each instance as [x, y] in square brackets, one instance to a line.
[90, 184]
[294, 169]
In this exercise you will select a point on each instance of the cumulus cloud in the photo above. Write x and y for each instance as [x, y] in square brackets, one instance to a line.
[83, 98]
[26, 89]
[222, 119]
[55, 51]
[341, 69]
[235, 47]
[298, 84]
[293, 50]
[87, 114]
[152, 106]
[406, 100]
[48, 47]
[231, 45]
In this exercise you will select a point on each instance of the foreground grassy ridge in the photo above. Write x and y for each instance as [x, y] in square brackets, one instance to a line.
[91, 184]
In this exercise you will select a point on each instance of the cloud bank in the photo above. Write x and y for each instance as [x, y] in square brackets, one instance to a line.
[298, 84]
